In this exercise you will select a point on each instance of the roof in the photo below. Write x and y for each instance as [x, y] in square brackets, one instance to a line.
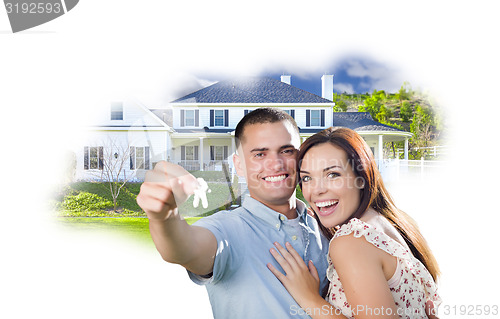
[360, 121]
[251, 90]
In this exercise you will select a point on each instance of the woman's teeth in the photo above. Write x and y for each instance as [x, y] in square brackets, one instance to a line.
[326, 203]
[275, 178]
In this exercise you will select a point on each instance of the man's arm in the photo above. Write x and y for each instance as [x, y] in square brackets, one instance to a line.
[164, 188]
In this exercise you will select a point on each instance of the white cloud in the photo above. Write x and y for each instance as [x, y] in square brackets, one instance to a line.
[343, 87]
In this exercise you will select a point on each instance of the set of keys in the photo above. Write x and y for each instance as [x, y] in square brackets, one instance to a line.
[200, 193]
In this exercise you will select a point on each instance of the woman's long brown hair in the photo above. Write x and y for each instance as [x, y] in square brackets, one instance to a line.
[374, 194]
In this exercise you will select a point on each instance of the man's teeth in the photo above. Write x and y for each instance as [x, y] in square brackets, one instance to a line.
[274, 178]
[327, 203]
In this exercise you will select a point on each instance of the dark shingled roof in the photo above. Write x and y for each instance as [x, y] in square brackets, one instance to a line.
[360, 121]
[251, 90]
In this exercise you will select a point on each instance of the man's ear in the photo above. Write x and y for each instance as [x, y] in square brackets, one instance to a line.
[239, 165]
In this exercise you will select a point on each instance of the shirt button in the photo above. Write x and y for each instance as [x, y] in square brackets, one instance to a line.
[277, 225]
[294, 237]
[282, 218]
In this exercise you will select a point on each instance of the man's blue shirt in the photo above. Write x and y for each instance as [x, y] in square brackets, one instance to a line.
[241, 285]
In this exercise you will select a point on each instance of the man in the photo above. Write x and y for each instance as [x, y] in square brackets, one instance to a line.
[228, 251]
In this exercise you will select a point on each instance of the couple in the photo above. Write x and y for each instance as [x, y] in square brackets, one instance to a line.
[354, 255]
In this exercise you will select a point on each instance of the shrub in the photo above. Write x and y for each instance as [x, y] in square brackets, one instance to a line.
[85, 202]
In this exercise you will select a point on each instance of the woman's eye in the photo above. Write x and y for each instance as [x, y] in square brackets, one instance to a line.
[333, 175]
[306, 179]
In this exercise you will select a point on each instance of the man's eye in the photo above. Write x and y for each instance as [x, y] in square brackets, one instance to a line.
[259, 155]
[306, 179]
[289, 151]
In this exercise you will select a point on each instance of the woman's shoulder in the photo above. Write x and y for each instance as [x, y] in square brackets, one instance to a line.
[351, 239]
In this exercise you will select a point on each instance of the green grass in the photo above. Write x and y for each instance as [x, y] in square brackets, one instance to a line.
[92, 199]
[136, 228]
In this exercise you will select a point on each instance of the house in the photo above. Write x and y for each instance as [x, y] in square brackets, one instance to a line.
[204, 121]
[201, 133]
[126, 140]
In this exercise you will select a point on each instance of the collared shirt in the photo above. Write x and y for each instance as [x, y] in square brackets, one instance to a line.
[241, 285]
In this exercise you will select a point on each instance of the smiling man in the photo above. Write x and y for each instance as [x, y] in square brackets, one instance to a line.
[229, 251]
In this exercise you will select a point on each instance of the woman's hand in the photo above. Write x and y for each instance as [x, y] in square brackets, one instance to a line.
[301, 280]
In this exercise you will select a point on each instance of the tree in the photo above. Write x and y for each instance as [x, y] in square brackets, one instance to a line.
[422, 126]
[113, 160]
[384, 114]
[340, 104]
[406, 112]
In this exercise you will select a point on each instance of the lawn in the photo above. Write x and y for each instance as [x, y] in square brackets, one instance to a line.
[136, 228]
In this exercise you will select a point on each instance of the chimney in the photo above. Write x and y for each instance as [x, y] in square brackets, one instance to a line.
[286, 79]
[327, 87]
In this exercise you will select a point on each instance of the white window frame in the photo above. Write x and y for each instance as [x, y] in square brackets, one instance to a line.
[313, 118]
[219, 117]
[189, 117]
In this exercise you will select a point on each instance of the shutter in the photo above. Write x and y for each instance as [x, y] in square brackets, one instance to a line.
[86, 157]
[211, 118]
[196, 153]
[226, 118]
[246, 112]
[182, 117]
[132, 157]
[146, 157]
[197, 118]
[212, 153]
[101, 157]
[322, 117]
[308, 117]
[225, 153]
[183, 153]
[292, 113]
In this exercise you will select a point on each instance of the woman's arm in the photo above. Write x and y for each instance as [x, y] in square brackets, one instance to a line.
[359, 266]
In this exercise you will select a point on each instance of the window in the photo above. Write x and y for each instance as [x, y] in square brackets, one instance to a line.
[315, 117]
[219, 118]
[116, 111]
[139, 157]
[291, 113]
[190, 117]
[218, 153]
[92, 157]
[189, 153]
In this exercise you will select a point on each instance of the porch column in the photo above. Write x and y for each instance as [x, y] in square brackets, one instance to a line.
[230, 159]
[200, 153]
[406, 149]
[380, 149]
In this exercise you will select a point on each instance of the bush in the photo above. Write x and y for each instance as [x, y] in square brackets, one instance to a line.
[85, 202]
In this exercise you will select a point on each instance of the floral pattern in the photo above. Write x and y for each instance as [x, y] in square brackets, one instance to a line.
[414, 287]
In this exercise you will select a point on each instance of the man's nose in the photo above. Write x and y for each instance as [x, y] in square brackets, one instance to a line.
[274, 162]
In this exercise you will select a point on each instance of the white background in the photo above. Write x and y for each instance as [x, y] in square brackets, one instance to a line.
[53, 76]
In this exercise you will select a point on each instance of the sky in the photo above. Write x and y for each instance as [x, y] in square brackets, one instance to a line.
[54, 79]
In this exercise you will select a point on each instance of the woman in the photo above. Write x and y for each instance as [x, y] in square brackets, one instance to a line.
[379, 263]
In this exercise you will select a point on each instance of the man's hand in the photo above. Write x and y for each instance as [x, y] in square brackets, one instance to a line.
[164, 189]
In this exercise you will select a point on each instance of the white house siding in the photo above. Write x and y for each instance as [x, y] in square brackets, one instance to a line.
[134, 114]
[119, 142]
[236, 113]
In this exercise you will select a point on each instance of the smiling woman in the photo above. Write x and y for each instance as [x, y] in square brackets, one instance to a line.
[376, 249]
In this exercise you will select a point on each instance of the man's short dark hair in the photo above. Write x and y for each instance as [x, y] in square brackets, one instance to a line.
[260, 116]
